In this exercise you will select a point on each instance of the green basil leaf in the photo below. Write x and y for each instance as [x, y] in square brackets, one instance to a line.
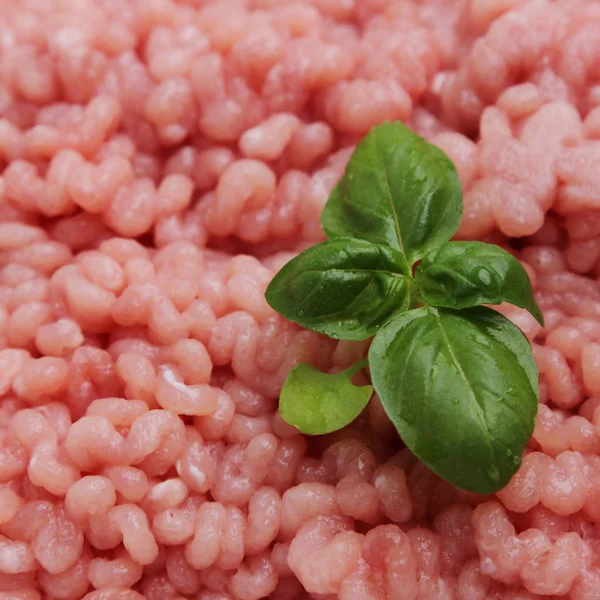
[318, 403]
[346, 289]
[461, 389]
[397, 190]
[465, 274]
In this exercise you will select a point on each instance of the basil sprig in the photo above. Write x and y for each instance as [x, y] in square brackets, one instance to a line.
[457, 379]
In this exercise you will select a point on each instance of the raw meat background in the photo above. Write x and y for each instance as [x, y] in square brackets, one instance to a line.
[159, 161]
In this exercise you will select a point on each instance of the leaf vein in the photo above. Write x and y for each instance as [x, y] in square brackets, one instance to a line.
[480, 408]
[390, 199]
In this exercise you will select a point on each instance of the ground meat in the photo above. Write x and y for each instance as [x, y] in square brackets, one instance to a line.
[159, 161]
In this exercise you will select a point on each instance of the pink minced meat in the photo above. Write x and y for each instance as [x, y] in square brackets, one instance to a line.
[159, 162]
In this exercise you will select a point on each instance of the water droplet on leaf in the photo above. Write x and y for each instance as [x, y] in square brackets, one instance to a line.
[484, 277]
[493, 473]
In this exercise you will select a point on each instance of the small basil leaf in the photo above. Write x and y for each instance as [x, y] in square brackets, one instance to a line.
[461, 389]
[397, 190]
[346, 289]
[318, 403]
[465, 274]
